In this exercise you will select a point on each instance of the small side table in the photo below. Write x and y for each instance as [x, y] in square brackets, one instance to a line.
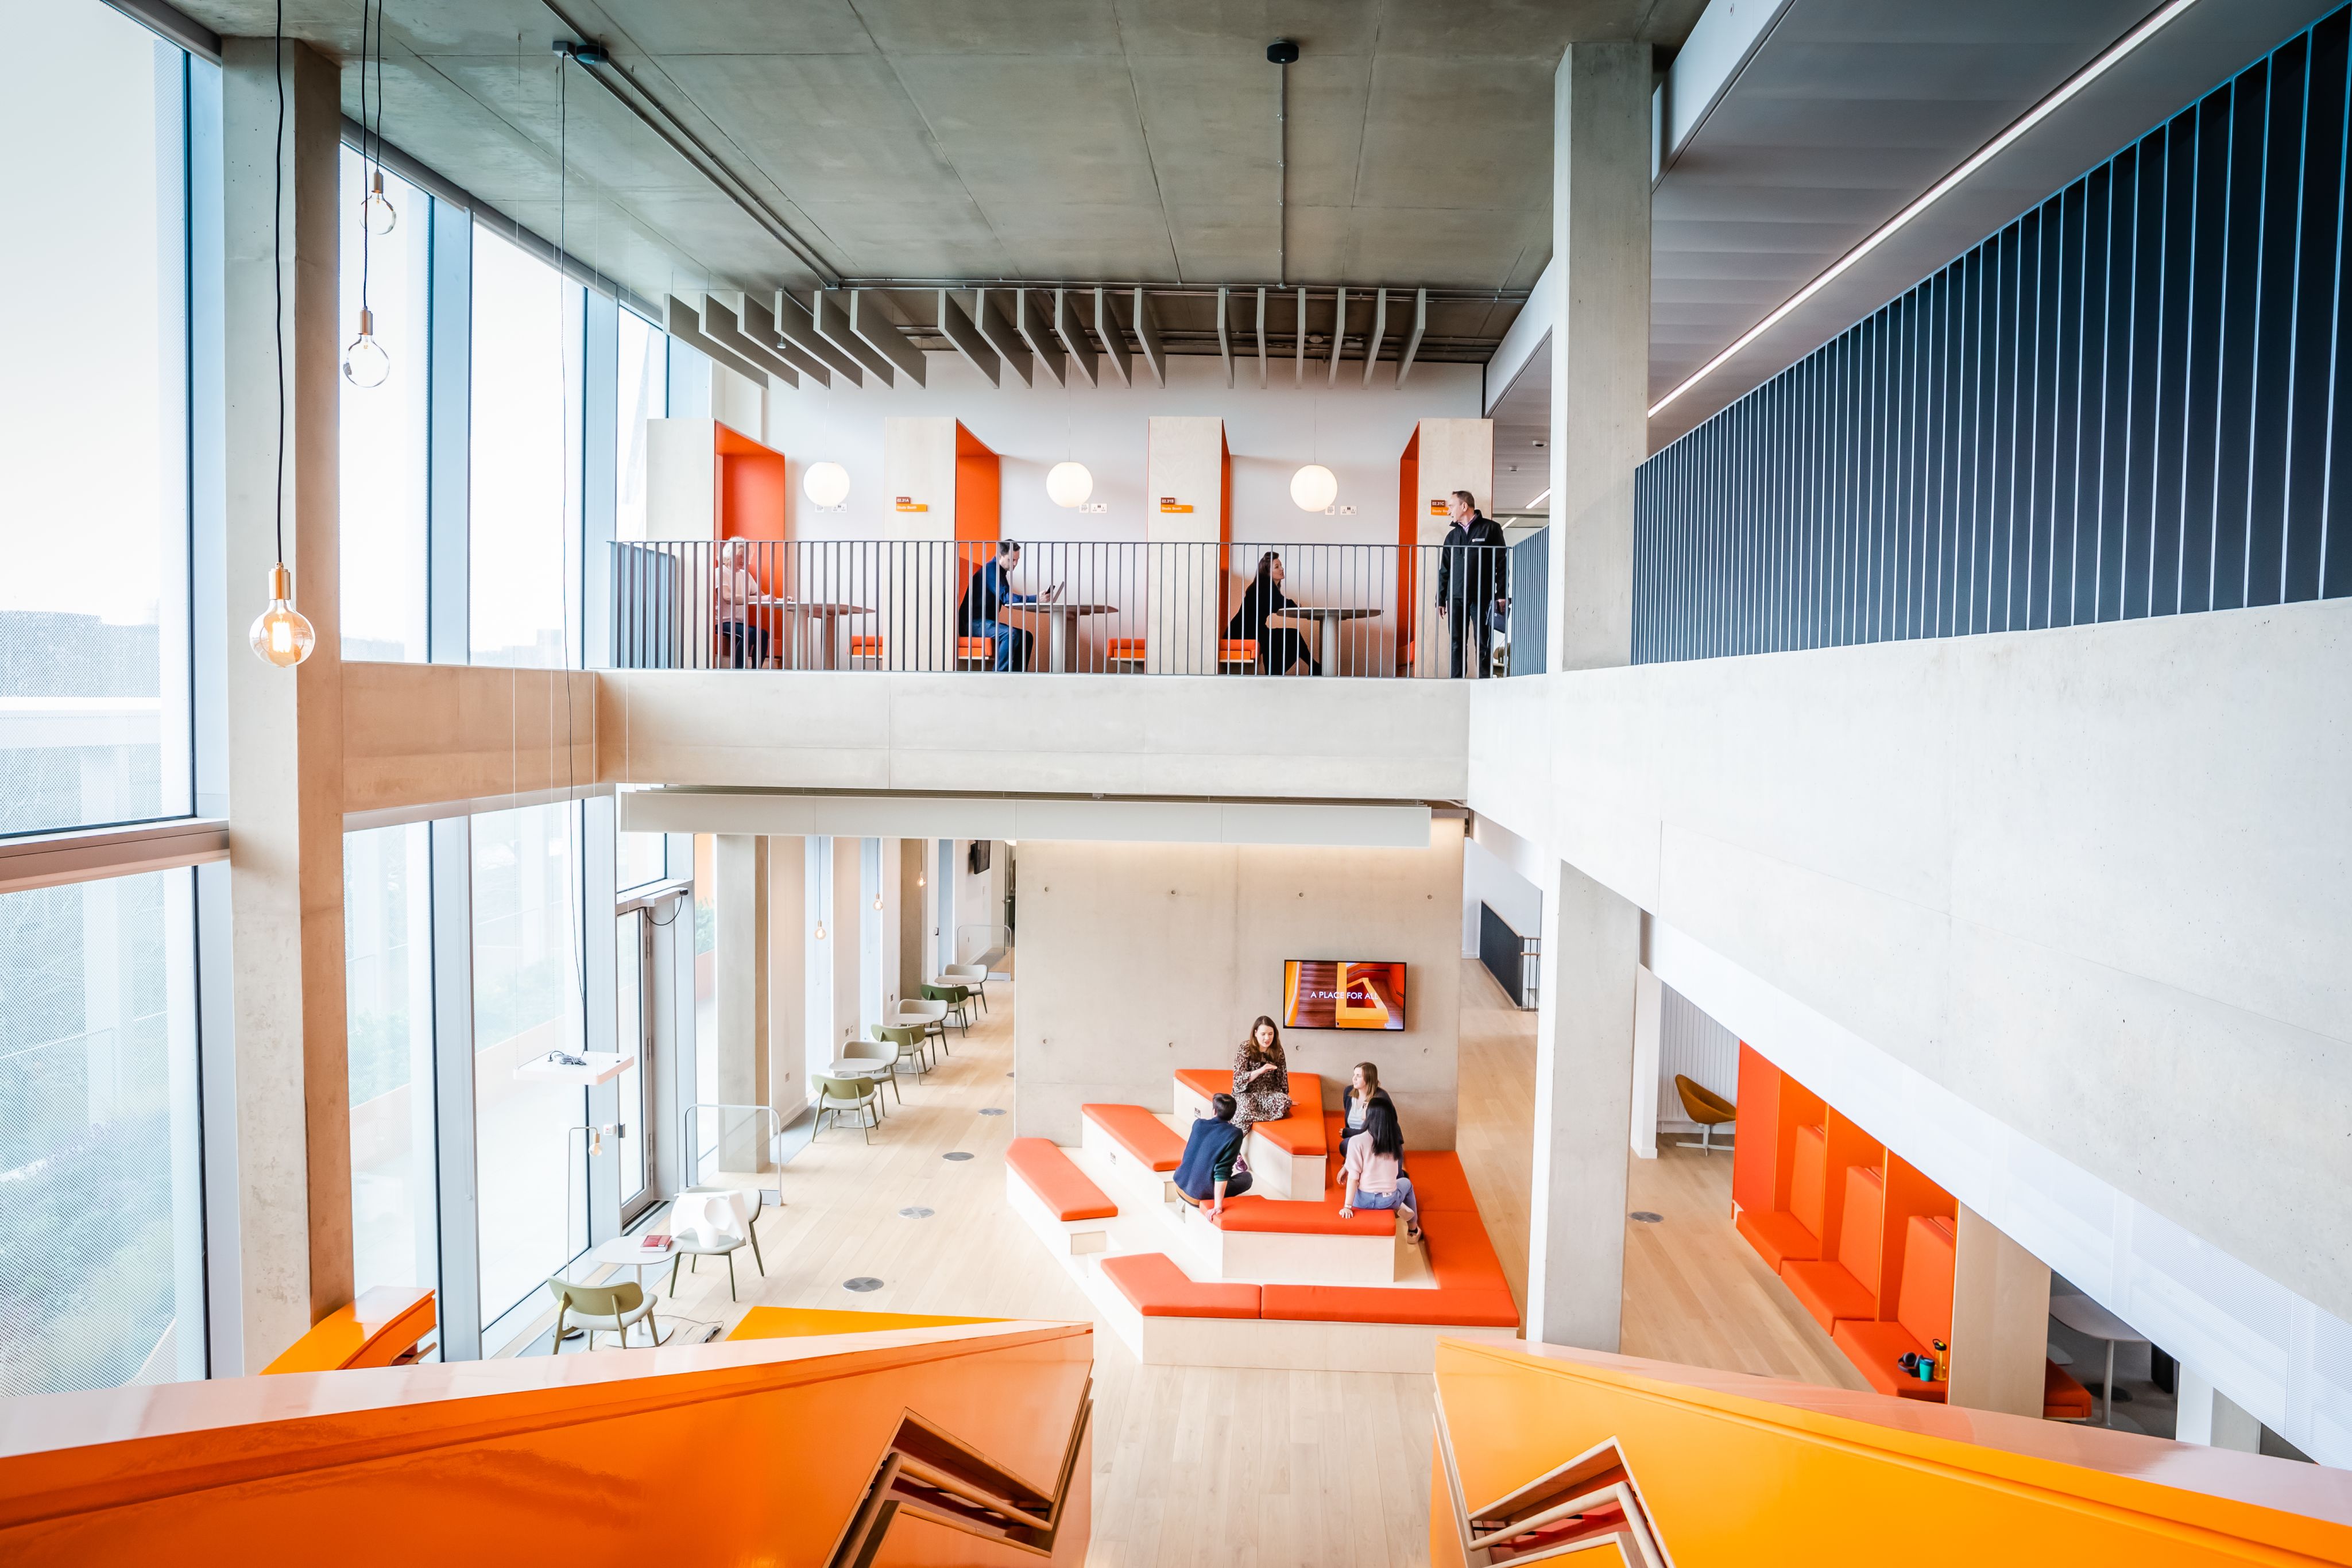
[2087, 1317]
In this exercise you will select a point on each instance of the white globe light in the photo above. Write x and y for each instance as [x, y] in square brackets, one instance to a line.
[1069, 483]
[1314, 488]
[825, 483]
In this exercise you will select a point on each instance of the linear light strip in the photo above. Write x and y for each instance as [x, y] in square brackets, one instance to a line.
[2061, 95]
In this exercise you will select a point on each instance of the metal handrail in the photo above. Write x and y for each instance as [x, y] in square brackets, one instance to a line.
[685, 1128]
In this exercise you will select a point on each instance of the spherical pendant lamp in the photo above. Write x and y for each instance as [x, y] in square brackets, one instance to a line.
[1314, 487]
[825, 483]
[1069, 483]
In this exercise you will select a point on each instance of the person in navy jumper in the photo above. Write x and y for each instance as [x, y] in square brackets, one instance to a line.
[1205, 1174]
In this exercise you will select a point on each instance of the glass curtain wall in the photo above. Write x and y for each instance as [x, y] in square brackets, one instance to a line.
[530, 343]
[388, 987]
[101, 1262]
[643, 394]
[382, 428]
[93, 425]
[529, 1137]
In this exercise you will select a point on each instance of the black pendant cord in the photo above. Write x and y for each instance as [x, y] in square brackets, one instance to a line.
[368, 163]
[278, 263]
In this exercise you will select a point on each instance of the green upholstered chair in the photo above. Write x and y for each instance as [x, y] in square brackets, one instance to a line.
[603, 1309]
[840, 1096]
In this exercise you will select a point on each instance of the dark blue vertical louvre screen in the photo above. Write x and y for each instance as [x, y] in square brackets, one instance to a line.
[2128, 402]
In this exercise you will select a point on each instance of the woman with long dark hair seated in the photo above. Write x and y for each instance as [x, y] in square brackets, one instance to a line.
[1374, 1175]
[1278, 647]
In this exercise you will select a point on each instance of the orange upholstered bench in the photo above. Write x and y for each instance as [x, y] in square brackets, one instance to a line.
[1794, 1233]
[1471, 1289]
[1158, 1289]
[1060, 1185]
[865, 645]
[1124, 651]
[1238, 650]
[1290, 1156]
[1923, 1315]
[1832, 1290]
[983, 649]
[1143, 1135]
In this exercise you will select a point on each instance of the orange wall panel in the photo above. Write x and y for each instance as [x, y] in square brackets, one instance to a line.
[1756, 1154]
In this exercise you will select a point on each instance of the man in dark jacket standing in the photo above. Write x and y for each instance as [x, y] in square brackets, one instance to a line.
[1473, 578]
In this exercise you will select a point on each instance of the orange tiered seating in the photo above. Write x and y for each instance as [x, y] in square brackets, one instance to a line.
[2063, 1398]
[1847, 1287]
[1139, 1133]
[1300, 1132]
[1160, 1289]
[1923, 1315]
[1060, 1185]
[1795, 1233]
[1471, 1291]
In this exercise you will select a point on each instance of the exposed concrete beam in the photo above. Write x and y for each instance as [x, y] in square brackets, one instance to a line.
[961, 330]
[760, 325]
[1072, 331]
[1338, 332]
[1000, 332]
[1224, 339]
[1114, 341]
[883, 336]
[1038, 333]
[1413, 339]
[1147, 333]
[794, 323]
[1261, 337]
[1298, 367]
[721, 325]
[1380, 330]
[832, 320]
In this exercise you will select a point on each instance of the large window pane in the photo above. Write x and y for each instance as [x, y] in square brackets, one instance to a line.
[629, 965]
[529, 326]
[529, 1156]
[645, 394]
[383, 447]
[101, 1265]
[93, 425]
[388, 987]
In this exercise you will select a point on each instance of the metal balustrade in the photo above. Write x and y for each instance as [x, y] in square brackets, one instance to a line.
[1083, 607]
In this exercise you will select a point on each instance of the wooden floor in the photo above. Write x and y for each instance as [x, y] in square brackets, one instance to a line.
[1213, 1466]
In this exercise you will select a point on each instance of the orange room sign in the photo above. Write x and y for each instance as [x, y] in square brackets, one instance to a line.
[908, 504]
[1171, 504]
[1437, 507]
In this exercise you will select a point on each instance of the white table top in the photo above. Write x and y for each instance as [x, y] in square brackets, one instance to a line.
[1056, 607]
[1325, 611]
[859, 1067]
[803, 607]
[2086, 1316]
[602, 1067]
[627, 1251]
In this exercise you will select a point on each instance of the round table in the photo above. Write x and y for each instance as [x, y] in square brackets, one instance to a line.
[629, 1252]
[1328, 618]
[823, 623]
[1059, 631]
[2087, 1317]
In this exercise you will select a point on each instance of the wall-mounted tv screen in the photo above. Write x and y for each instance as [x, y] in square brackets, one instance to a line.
[1324, 993]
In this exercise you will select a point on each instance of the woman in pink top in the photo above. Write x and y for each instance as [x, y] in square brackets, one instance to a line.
[1374, 1175]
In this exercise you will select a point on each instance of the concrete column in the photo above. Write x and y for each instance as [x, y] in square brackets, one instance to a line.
[847, 925]
[1647, 1004]
[739, 867]
[1600, 348]
[2210, 1417]
[1584, 1066]
[285, 733]
[915, 910]
[788, 942]
[2001, 1320]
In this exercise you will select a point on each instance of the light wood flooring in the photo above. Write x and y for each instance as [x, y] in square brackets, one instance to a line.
[1218, 1465]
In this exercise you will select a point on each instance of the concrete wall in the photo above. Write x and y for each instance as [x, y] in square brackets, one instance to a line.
[1137, 960]
[1120, 735]
[1486, 880]
[2082, 891]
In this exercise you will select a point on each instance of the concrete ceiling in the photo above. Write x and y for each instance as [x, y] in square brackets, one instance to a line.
[987, 140]
[1848, 109]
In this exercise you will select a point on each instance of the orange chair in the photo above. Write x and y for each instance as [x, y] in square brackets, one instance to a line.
[1237, 652]
[866, 646]
[1706, 1107]
[1124, 651]
[975, 653]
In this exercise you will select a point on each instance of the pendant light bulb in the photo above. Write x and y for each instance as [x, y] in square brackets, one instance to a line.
[820, 930]
[377, 211]
[365, 363]
[1069, 483]
[280, 635]
[1314, 487]
[878, 901]
[825, 483]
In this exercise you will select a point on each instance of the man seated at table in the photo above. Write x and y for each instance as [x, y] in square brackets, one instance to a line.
[740, 635]
[990, 590]
[1206, 1172]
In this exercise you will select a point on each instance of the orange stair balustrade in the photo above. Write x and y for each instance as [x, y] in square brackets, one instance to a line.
[1542, 1451]
[893, 1447]
[383, 1328]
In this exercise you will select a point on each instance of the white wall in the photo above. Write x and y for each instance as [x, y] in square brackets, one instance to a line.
[979, 900]
[1486, 880]
[1137, 960]
[2062, 913]
[1696, 1046]
[1358, 434]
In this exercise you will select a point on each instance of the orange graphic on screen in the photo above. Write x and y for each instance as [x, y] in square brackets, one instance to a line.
[1322, 993]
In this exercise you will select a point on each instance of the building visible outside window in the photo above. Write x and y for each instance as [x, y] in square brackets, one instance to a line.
[383, 474]
[643, 394]
[388, 990]
[101, 1264]
[524, 516]
[93, 426]
[529, 1157]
